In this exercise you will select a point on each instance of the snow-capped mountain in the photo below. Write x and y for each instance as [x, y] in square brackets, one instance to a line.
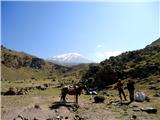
[69, 59]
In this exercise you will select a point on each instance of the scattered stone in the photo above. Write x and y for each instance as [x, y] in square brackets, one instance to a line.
[66, 117]
[36, 106]
[74, 107]
[115, 104]
[157, 94]
[109, 103]
[20, 116]
[136, 110]
[77, 117]
[107, 95]
[134, 117]
[149, 110]
[41, 87]
[58, 117]
[22, 92]
[152, 87]
[99, 99]
[147, 99]
[46, 85]
[11, 91]
[104, 93]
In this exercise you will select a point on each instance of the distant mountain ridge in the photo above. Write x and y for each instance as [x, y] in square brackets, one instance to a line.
[69, 59]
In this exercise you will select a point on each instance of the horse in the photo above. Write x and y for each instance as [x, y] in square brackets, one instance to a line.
[72, 90]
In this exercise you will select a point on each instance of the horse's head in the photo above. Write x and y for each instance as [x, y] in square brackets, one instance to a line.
[82, 87]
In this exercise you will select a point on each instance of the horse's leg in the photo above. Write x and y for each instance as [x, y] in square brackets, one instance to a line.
[76, 98]
[63, 97]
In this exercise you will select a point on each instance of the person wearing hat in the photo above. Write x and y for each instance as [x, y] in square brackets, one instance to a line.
[119, 86]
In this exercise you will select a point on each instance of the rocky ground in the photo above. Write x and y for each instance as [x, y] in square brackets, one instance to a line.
[33, 107]
[45, 104]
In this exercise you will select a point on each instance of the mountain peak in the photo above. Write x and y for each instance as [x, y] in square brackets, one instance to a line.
[67, 55]
[69, 59]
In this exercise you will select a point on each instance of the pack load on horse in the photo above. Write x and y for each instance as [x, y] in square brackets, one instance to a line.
[75, 90]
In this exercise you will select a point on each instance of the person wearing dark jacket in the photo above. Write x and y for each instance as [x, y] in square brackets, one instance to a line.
[119, 86]
[130, 87]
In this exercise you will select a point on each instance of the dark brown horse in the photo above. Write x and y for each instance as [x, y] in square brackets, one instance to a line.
[72, 90]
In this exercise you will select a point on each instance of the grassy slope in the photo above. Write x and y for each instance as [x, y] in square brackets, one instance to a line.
[12, 71]
[47, 71]
[141, 64]
[22, 77]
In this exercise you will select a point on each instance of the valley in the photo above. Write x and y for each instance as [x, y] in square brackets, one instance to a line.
[36, 86]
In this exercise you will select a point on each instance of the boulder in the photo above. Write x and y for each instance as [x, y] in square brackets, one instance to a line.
[99, 99]
[149, 110]
[134, 117]
[11, 91]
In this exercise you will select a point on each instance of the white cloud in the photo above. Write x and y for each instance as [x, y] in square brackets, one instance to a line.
[106, 54]
[99, 46]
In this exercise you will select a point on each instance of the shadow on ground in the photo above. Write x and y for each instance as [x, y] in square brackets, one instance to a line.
[69, 105]
[120, 103]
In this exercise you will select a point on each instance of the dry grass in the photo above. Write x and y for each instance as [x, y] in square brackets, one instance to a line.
[87, 109]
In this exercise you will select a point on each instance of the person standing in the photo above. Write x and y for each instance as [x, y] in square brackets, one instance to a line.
[119, 86]
[130, 87]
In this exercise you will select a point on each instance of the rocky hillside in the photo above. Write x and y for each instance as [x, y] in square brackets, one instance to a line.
[137, 64]
[20, 65]
[157, 42]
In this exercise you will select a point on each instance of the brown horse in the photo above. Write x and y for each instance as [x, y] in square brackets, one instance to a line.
[72, 90]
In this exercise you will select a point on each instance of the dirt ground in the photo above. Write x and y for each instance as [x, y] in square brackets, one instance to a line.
[49, 107]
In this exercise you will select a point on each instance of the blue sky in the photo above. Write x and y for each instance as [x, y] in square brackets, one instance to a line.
[96, 30]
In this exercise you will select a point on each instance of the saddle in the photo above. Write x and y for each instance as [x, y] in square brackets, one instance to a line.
[72, 87]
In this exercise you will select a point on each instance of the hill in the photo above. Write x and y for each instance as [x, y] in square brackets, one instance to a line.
[157, 42]
[22, 66]
[38, 94]
[138, 64]
[19, 66]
